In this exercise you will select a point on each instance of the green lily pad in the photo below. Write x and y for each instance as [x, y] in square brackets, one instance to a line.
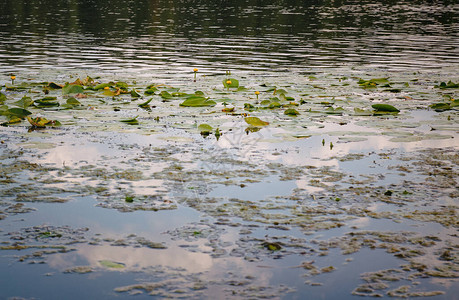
[197, 101]
[145, 104]
[373, 83]
[280, 92]
[151, 91]
[24, 102]
[384, 108]
[249, 107]
[274, 105]
[334, 111]
[11, 120]
[132, 121]
[54, 86]
[46, 102]
[448, 85]
[101, 86]
[234, 83]
[272, 246]
[179, 94]
[135, 94]
[265, 102]
[440, 106]
[72, 89]
[110, 93]
[17, 112]
[165, 95]
[205, 128]
[111, 264]
[254, 121]
[72, 101]
[122, 85]
[291, 112]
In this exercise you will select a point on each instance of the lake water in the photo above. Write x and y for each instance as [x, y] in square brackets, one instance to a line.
[167, 39]
[328, 198]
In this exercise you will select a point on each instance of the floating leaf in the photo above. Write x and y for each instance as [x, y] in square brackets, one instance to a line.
[72, 89]
[101, 86]
[384, 108]
[372, 83]
[17, 112]
[77, 82]
[197, 101]
[46, 102]
[122, 85]
[49, 98]
[249, 107]
[272, 246]
[135, 94]
[73, 102]
[448, 85]
[150, 91]
[274, 105]
[132, 121]
[280, 92]
[54, 86]
[165, 95]
[111, 264]
[41, 122]
[234, 83]
[254, 121]
[228, 109]
[265, 102]
[24, 102]
[110, 93]
[439, 107]
[179, 94]
[334, 111]
[291, 112]
[205, 129]
[145, 104]
[12, 120]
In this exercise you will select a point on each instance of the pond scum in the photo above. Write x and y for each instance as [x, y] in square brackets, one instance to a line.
[211, 136]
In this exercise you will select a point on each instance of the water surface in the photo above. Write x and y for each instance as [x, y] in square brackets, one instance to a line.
[313, 206]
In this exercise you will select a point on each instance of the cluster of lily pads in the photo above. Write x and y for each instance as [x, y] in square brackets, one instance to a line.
[29, 100]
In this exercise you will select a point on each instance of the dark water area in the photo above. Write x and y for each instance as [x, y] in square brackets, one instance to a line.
[144, 36]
